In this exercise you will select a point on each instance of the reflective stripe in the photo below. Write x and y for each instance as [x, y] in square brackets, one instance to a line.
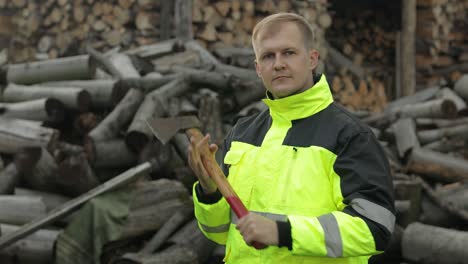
[374, 212]
[333, 241]
[274, 217]
[215, 229]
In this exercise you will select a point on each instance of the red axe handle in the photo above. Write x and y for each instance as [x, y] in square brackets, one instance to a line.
[217, 175]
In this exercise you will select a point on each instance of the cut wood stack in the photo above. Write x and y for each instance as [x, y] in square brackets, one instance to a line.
[442, 35]
[220, 23]
[55, 28]
[361, 54]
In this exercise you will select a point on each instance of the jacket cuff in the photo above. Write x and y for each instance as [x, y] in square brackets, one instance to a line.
[284, 234]
[207, 198]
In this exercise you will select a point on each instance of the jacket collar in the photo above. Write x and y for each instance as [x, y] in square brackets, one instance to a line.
[307, 103]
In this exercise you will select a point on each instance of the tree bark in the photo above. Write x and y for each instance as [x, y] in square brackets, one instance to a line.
[156, 50]
[124, 111]
[430, 244]
[16, 134]
[100, 90]
[183, 19]
[438, 166]
[111, 154]
[9, 178]
[70, 68]
[192, 238]
[73, 98]
[433, 108]
[432, 135]
[145, 84]
[405, 135]
[75, 176]
[37, 248]
[154, 105]
[461, 86]
[447, 93]
[38, 168]
[408, 47]
[45, 109]
[19, 210]
[50, 200]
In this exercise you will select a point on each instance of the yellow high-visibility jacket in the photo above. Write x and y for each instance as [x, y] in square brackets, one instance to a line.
[317, 171]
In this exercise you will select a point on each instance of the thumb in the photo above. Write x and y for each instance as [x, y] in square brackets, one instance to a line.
[213, 148]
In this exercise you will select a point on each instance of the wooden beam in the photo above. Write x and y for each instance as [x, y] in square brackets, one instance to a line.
[408, 58]
[183, 19]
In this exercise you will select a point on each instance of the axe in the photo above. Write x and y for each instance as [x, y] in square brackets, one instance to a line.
[165, 128]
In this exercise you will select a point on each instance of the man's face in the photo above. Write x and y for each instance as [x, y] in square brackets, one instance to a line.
[283, 62]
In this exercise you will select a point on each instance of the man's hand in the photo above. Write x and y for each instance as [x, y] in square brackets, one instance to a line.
[254, 227]
[195, 162]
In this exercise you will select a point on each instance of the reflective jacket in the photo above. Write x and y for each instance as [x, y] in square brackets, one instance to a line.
[312, 167]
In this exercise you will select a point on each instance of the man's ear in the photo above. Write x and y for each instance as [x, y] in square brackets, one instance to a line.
[313, 59]
[257, 69]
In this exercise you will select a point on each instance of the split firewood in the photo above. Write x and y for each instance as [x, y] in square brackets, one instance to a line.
[72, 98]
[68, 68]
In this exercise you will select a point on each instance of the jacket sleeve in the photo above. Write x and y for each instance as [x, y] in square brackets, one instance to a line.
[363, 194]
[212, 211]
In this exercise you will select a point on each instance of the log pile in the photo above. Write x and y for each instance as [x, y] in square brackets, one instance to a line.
[65, 160]
[361, 52]
[59, 28]
[424, 136]
[441, 30]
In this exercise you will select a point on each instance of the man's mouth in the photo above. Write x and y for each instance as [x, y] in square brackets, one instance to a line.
[280, 78]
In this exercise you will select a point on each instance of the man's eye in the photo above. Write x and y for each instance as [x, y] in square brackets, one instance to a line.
[267, 56]
[289, 52]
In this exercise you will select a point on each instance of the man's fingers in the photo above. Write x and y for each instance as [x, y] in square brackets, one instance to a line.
[213, 148]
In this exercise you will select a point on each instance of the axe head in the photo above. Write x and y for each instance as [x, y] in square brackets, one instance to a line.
[165, 128]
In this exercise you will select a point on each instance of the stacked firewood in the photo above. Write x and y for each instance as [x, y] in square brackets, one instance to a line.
[70, 125]
[442, 35]
[425, 138]
[230, 23]
[55, 28]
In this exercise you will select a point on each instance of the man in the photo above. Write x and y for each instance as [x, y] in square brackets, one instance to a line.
[316, 182]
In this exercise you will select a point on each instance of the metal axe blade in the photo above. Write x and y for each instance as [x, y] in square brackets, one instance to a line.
[165, 128]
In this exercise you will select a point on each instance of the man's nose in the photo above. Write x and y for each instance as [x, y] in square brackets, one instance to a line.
[279, 63]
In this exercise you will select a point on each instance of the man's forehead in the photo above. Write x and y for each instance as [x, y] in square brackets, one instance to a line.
[275, 28]
[293, 39]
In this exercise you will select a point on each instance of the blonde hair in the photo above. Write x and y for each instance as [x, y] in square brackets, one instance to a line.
[304, 26]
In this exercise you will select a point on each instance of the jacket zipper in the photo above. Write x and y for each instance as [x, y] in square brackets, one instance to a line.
[289, 175]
